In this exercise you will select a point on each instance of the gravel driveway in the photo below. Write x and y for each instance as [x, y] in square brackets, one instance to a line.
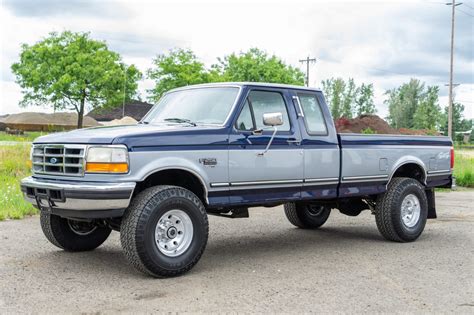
[261, 264]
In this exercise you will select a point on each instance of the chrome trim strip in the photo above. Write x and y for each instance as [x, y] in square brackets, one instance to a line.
[364, 180]
[220, 184]
[316, 180]
[267, 182]
[439, 172]
[320, 183]
[365, 177]
[313, 181]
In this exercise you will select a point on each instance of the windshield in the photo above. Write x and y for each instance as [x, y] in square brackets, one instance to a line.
[194, 106]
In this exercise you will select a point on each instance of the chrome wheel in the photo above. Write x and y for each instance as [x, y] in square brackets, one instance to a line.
[315, 210]
[174, 233]
[410, 210]
[81, 228]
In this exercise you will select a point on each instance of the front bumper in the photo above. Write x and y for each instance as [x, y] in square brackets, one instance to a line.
[77, 199]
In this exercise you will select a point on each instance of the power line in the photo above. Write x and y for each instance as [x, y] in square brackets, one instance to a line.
[467, 5]
[465, 12]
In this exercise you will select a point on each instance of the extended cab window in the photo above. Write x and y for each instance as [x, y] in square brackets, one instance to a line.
[259, 103]
[313, 116]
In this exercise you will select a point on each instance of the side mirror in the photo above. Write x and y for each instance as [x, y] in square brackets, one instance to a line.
[273, 119]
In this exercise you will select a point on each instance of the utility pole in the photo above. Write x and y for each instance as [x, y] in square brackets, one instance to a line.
[124, 87]
[450, 106]
[307, 61]
[451, 101]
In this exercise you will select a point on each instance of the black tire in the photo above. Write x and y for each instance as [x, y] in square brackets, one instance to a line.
[72, 236]
[388, 210]
[307, 216]
[137, 233]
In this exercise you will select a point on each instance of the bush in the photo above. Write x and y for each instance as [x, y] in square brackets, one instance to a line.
[368, 131]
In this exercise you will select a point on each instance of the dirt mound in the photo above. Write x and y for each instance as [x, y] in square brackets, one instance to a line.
[364, 122]
[123, 121]
[31, 121]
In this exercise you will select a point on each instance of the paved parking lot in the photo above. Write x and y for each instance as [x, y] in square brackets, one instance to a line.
[261, 264]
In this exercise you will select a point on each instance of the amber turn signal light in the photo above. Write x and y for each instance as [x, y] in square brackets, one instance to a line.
[106, 167]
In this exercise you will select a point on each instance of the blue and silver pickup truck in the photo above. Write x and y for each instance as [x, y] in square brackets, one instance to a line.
[219, 149]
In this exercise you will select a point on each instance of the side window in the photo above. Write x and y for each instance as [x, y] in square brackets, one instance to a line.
[313, 115]
[268, 102]
[245, 121]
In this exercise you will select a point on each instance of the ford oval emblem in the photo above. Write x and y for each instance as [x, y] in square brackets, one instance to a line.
[53, 160]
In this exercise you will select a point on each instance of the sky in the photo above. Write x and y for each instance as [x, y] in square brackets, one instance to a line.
[381, 42]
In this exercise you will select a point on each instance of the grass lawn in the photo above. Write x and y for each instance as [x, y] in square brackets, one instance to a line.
[14, 165]
[28, 136]
[464, 168]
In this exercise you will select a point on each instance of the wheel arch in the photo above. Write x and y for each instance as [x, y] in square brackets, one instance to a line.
[411, 167]
[176, 176]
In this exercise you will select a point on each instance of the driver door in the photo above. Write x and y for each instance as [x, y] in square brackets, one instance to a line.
[276, 175]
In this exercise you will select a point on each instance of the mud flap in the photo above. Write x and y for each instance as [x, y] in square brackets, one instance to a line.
[430, 195]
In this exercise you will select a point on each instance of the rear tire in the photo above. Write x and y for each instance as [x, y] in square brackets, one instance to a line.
[71, 235]
[307, 216]
[402, 211]
[164, 231]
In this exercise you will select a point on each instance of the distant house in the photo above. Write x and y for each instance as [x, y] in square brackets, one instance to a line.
[134, 109]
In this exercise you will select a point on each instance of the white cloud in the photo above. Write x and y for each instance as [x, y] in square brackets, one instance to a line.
[382, 42]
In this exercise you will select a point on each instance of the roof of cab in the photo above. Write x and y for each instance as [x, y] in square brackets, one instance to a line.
[240, 84]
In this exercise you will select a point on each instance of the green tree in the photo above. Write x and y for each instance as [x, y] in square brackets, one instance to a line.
[255, 65]
[180, 67]
[427, 114]
[346, 98]
[364, 103]
[402, 103]
[349, 98]
[71, 70]
[334, 92]
[459, 122]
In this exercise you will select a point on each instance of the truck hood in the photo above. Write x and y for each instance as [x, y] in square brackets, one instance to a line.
[139, 135]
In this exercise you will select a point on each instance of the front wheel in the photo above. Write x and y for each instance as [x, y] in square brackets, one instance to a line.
[164, 231]
[72, 235]
[402, 211]
[307, 216]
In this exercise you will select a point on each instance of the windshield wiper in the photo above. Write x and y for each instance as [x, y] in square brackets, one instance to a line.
[180, 121]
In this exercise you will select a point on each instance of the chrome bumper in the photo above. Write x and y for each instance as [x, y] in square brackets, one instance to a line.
[70, 198]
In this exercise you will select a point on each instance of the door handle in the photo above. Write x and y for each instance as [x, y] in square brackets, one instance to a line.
[293, 140]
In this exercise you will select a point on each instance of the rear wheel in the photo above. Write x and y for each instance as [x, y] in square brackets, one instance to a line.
[71, 235]
[402, 211]
[307, 216]
[164, 231]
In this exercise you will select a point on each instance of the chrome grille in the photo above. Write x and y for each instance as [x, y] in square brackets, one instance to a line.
[58, 159]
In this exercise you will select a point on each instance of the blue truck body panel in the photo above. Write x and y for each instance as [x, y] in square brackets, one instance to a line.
[298, 166]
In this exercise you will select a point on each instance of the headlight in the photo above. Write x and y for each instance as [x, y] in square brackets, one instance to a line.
[104, 159]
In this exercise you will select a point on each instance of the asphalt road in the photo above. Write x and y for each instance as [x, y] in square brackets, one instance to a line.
[261, 264]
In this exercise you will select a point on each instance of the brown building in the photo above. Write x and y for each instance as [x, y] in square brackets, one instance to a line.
[134, 109]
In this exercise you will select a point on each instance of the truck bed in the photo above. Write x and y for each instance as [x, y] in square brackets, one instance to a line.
[368, 162]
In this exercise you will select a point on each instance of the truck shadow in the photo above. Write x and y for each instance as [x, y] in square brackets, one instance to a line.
[226, 250]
